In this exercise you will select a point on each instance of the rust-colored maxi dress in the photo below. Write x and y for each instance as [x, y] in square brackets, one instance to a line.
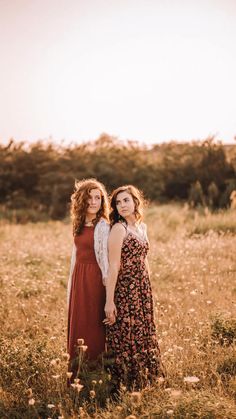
[87, 300]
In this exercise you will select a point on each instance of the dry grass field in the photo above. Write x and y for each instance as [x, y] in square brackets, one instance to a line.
[193, 264]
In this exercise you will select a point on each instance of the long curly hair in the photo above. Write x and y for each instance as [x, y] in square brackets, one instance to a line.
[138, 199]
[79, 203]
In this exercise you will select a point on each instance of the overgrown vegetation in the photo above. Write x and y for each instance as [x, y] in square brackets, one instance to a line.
[36, 180]
[193, 281]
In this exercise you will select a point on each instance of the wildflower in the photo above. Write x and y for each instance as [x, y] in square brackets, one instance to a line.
[76, 380]
[29, 392]
[100, 382]
[135, 397]
[80, 342]
[191, 310]
[51, 406]
[92, 394]
[119, 408]
[82, 413]
[79, 387]
[191, 380]
[31, 401]
[175, 393]
[69, 374]
[65, 356]
[94, 382]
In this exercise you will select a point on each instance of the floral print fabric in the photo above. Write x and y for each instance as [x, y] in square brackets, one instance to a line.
[132, 339]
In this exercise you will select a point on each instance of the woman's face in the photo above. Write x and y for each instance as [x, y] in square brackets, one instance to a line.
[94, 201]
[125, 204]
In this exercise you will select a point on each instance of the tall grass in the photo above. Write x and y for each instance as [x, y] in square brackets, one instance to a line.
[193, 280]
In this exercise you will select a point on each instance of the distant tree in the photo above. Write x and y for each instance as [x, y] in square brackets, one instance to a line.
[40, 176]
[213, 195]
[196, 195]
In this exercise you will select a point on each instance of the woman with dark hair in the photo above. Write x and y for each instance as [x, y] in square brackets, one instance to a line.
[131, 332]
[88, 272]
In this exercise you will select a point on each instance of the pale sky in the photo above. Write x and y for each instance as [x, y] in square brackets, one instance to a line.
[147, 70]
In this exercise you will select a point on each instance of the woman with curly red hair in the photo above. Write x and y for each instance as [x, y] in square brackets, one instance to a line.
[88, 272]
[131, 332]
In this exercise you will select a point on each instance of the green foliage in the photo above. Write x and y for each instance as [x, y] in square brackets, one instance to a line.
[41, 177]
[213, 195]
[228, 367]
[224, 330]
[196, 195]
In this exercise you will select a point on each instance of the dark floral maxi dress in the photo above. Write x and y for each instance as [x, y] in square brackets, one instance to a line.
[132, 341]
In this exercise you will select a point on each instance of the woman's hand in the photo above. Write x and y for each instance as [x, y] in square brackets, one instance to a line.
[111, 312]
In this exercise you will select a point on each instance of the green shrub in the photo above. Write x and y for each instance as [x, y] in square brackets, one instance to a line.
[228, 367]
[224, 330]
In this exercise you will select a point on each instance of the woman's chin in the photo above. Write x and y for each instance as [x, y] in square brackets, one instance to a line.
[92, 212]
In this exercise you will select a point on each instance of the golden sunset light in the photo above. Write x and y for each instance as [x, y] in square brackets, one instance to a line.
[117, 209]
[146, 70]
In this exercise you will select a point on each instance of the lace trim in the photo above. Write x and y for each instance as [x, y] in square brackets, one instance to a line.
[144, 236]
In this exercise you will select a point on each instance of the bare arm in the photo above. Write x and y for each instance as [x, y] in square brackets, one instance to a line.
[115, 242]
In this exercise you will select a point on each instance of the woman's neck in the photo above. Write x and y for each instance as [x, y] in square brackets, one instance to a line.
[89, 218]
[131, 221]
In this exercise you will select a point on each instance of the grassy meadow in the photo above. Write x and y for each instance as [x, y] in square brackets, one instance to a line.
[193, 265]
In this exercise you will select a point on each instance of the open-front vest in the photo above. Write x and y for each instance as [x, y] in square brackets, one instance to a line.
[101, 233]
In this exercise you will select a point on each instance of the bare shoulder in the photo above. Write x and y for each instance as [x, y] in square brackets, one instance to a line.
[118, 230]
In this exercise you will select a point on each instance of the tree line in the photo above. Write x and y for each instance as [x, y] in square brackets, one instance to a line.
[39, 177]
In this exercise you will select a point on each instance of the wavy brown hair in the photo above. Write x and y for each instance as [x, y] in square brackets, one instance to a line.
[79, 203]
[138, 199]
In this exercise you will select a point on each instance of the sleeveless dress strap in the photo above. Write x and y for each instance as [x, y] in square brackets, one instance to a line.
[124, 225]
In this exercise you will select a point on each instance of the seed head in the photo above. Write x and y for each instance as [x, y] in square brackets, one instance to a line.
[191, 380]
[135, 397]
[31, 401]
[92, 394]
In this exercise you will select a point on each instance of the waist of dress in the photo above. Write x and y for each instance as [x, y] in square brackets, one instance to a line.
[86, 261]
[131, 263]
